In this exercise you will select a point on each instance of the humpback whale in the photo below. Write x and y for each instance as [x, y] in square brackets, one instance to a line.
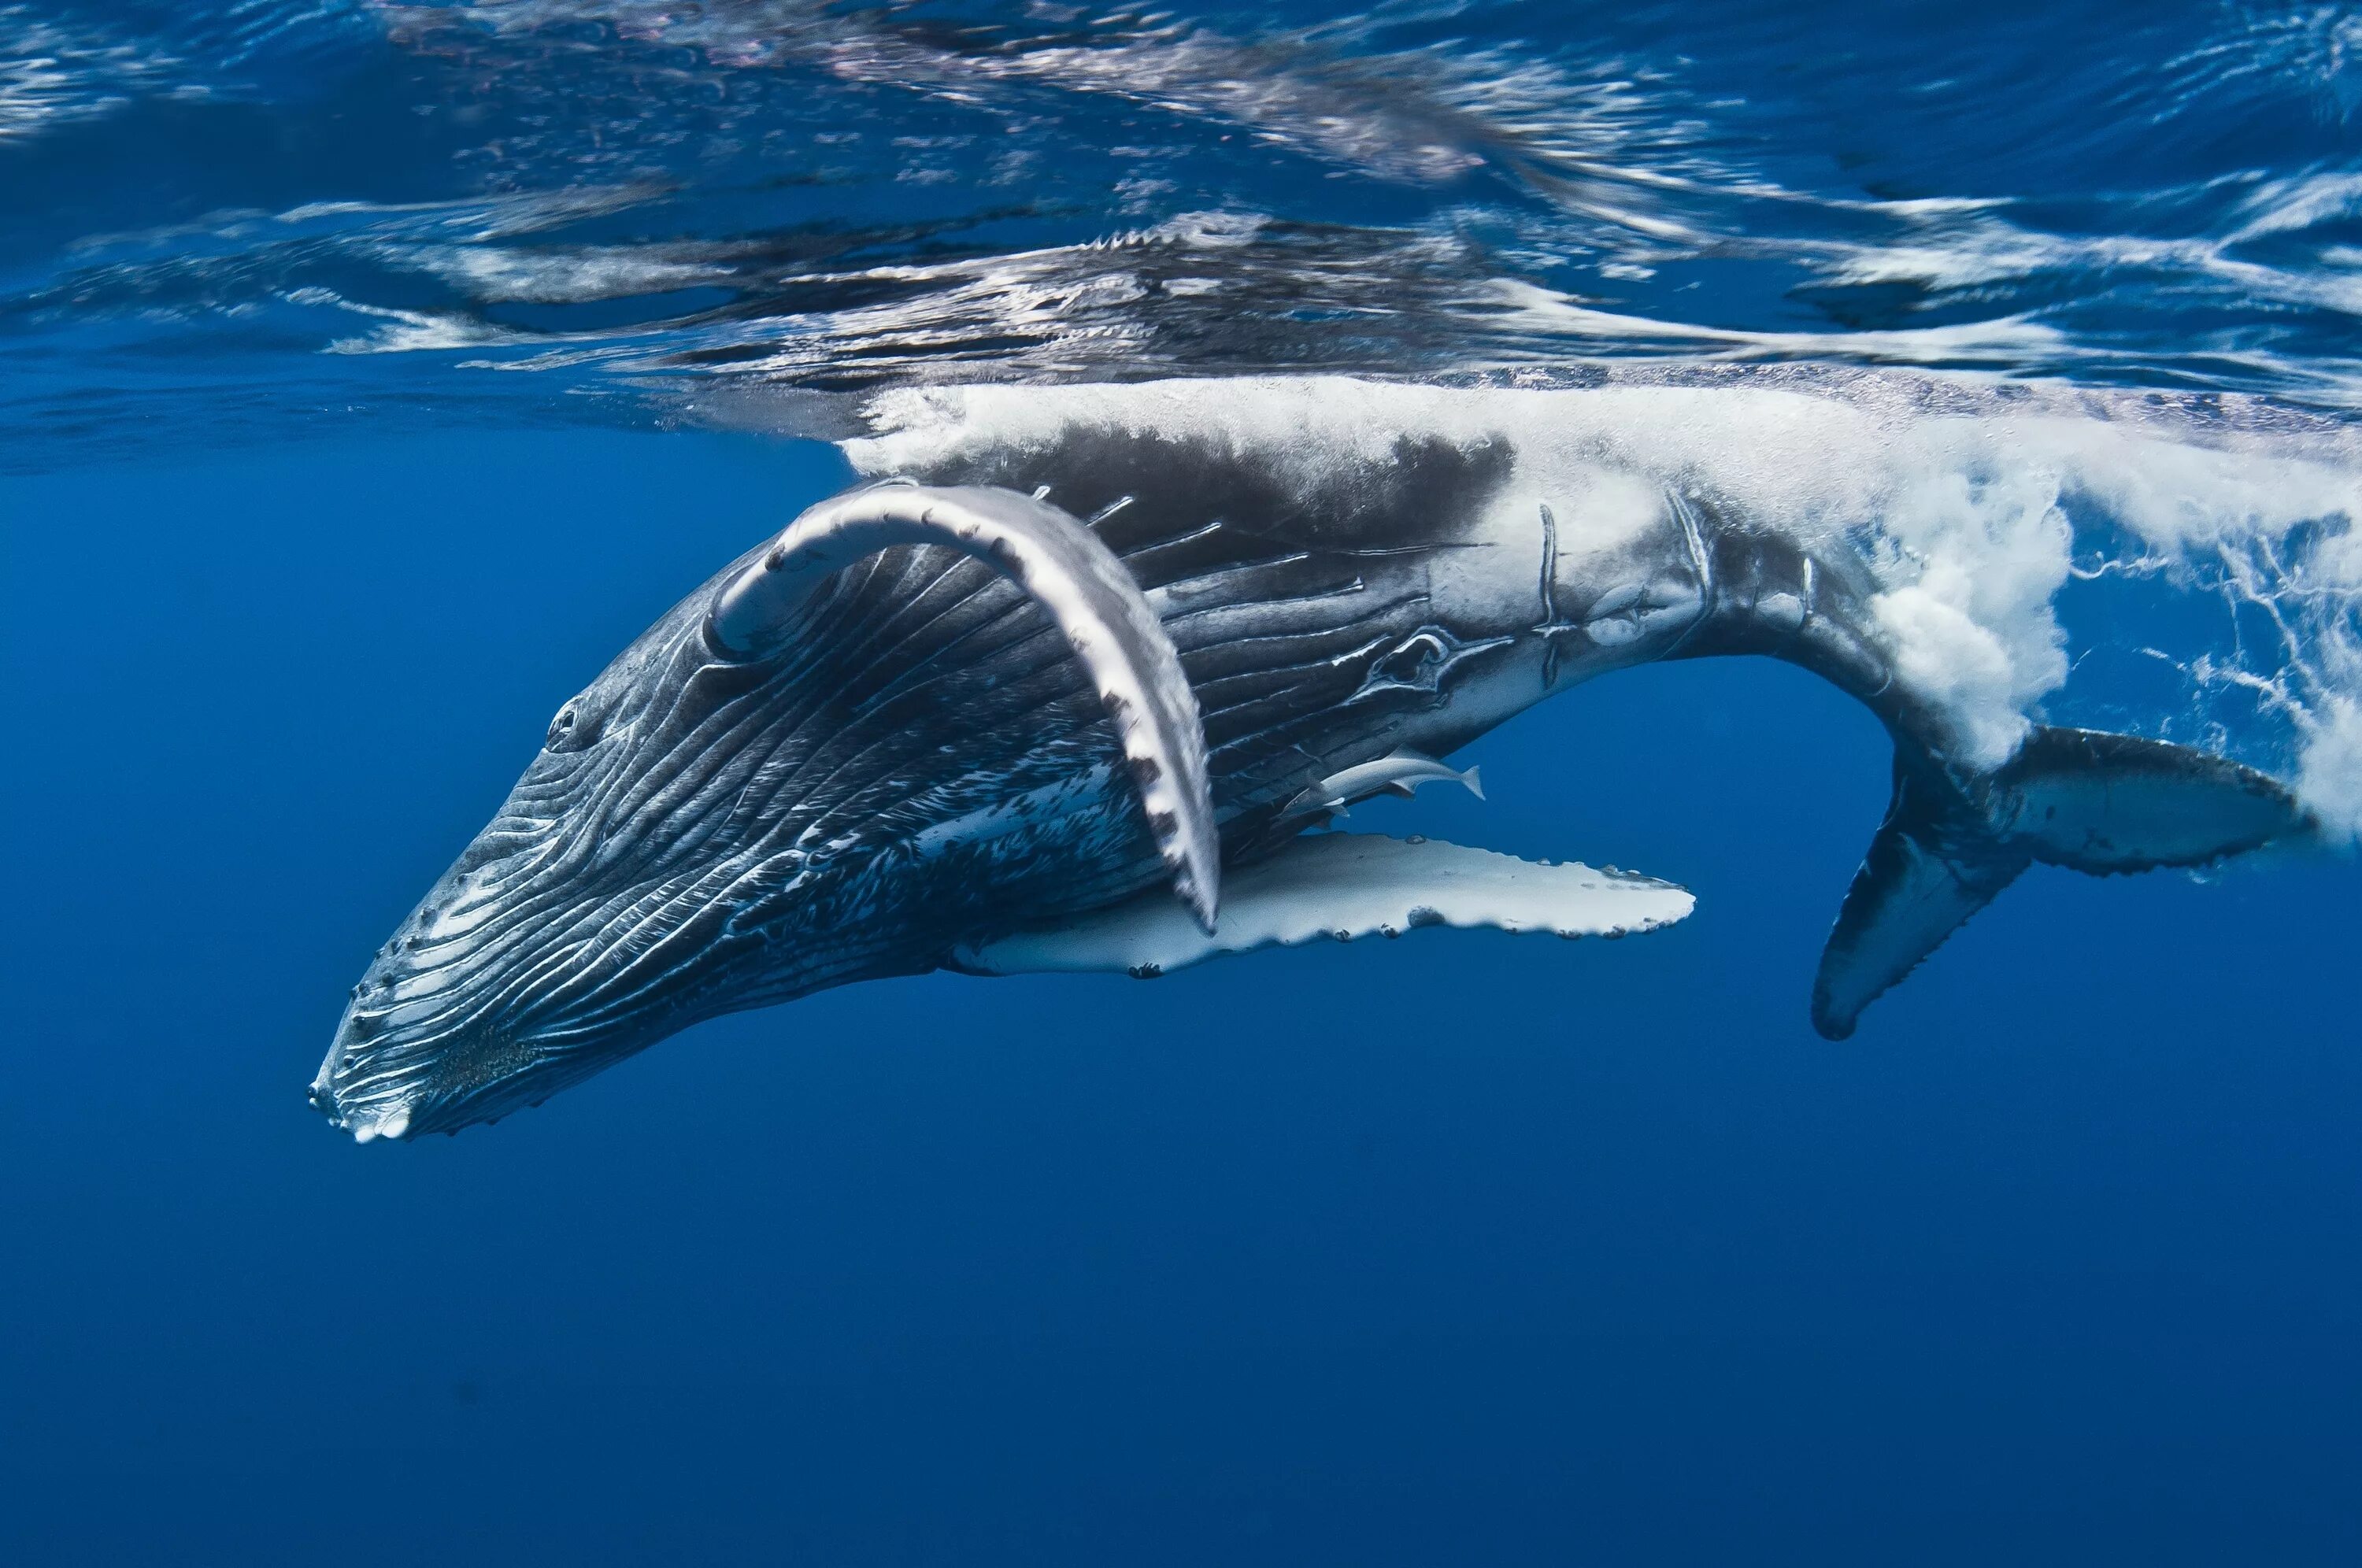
[1084, 700]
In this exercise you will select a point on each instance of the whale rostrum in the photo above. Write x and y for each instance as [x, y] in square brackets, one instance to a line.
[992, 718]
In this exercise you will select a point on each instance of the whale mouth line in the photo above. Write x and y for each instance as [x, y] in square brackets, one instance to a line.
[429, 1088]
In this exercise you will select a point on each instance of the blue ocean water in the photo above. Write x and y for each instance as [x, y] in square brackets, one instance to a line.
[370, 374]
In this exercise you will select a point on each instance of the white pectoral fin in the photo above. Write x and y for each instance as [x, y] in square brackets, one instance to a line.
[1338, 887]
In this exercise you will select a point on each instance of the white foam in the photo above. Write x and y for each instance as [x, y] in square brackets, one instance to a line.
[1958, 494]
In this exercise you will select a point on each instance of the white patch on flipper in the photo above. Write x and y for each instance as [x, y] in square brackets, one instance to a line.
[1340, 886]
[2330, 775]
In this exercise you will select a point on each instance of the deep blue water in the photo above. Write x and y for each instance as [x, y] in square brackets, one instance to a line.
[1465, 1250]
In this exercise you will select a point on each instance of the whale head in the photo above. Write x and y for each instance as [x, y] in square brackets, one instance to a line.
[829, 763]
[614, 897]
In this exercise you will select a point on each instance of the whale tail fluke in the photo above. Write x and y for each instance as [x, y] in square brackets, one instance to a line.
[1929, 869]
[2096, 803]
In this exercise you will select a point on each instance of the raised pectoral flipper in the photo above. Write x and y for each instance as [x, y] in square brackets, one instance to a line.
[1068, 571]
[1340, 886]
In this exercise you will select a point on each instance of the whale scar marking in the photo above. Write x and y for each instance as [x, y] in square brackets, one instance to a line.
[1552, 624]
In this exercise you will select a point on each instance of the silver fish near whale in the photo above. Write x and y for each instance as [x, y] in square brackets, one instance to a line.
[1399, 774]
[976, 719]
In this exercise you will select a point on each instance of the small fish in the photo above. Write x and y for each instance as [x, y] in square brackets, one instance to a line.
[1399, 773]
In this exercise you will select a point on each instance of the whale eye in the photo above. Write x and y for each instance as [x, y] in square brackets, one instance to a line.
[566, 731]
